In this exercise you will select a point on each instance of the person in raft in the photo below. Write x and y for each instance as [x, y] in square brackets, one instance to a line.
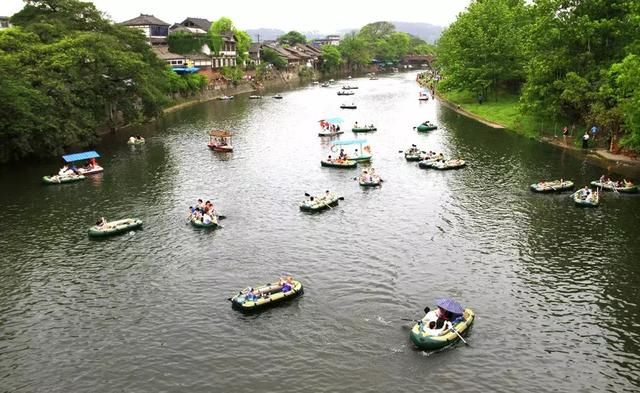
[101, 223]
[437, 321]
[287, 284]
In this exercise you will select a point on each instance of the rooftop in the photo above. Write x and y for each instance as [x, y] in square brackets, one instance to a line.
[144, 20]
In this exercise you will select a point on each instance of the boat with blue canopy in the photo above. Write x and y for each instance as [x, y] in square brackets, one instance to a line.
[363, 154]
[70, 172]
[331, 126]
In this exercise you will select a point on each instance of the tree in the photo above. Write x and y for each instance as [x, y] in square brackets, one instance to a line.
[292, 38]
[331, 58]
[65, 70]
[375, 31]
[225, 25]
[354, 51]
[272, 57]
[482, 50]
[243, 43]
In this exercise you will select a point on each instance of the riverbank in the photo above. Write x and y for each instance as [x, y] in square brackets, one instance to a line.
[504, 114]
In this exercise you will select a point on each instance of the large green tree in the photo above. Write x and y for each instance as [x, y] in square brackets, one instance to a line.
[64, 71]
[331, 58]
[483, 50]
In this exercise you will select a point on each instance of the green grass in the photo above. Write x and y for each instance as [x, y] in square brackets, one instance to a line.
[504, 111]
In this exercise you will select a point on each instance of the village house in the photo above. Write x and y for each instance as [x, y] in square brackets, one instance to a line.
[154, 29]
[4, 22]
[328, 40]
[254, 54]
[226, 56]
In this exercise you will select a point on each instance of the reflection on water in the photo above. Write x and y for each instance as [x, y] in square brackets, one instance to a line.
[554, 286]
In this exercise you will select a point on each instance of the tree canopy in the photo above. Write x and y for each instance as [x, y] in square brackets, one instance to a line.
[292, 38]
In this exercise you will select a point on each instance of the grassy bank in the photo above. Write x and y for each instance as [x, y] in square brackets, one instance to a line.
[505, 111]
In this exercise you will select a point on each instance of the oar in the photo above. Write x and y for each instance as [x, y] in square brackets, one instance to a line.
[456, 332]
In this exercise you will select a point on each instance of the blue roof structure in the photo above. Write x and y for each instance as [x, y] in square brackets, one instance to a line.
[80, 156]
[334, 120]
[185, 70]
[351, 142]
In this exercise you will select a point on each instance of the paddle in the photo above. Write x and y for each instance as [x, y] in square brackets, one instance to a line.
[456, 332]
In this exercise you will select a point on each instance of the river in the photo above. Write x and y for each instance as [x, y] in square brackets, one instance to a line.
[555, 287]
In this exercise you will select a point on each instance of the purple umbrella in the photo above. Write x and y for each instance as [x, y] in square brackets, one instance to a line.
[450, 305]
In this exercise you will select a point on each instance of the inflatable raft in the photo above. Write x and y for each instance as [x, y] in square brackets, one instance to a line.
[199, 224]
[552, 186]
[268, 295]
[366, 181]
[319, 203]
[426, 126]
[115, 227]
[449, 164]
[611, 186]
[423, 340]
[339, 164]
[364, 129]
[580, 200]
[57, 179]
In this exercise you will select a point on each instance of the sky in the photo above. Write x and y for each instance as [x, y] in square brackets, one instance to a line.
[327, 16]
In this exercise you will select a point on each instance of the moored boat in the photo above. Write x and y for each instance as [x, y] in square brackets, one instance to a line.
[552, 186]
[347, 87]
[255, 97]
[267, 295]
[117, 227]
[426, 126]
[422, 337]
[345, 93]
[277, 97]
[586, 198]
[448, 164]
[58, 179]
[224, 98]
[627, 188]
[352, 106]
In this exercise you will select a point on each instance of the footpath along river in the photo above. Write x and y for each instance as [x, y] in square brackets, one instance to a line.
[554, 286]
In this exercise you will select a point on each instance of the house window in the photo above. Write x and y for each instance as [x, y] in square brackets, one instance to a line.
[159, 31]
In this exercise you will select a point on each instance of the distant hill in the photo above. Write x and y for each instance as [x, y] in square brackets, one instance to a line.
[426, 31]
[265, 34]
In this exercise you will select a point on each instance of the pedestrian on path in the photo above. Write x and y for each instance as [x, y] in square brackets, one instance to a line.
[565, 132]
[585, 140]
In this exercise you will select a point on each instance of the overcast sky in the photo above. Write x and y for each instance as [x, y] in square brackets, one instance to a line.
[327, 16]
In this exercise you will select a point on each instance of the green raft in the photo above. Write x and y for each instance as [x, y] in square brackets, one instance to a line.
[375, 181]
[115, 227]
[426, 126]
[339, 164]
[552, 186]
[423, 340]
[364, 129]
[269, 295]
[611, 186]
[199, 224]
[581, 201]
[319, 203]
[62, 179]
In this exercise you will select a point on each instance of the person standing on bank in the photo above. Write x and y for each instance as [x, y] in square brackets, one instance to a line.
[594, 131]
[585, 140]
[565, 132]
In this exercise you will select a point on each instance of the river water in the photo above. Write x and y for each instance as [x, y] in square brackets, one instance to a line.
[554, 286]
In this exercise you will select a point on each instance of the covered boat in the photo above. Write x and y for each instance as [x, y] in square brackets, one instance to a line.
[115, 227]
[448, 164]
[330, 133]
[267, 295]
[220, 140]
[345, 106]
[552, 186]
[318, 203]
[363, 154]
[423, 339]
[627, 188]
[586, 198]
[330, 126]
[426, 126]
[57, 179]
[371, 128]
